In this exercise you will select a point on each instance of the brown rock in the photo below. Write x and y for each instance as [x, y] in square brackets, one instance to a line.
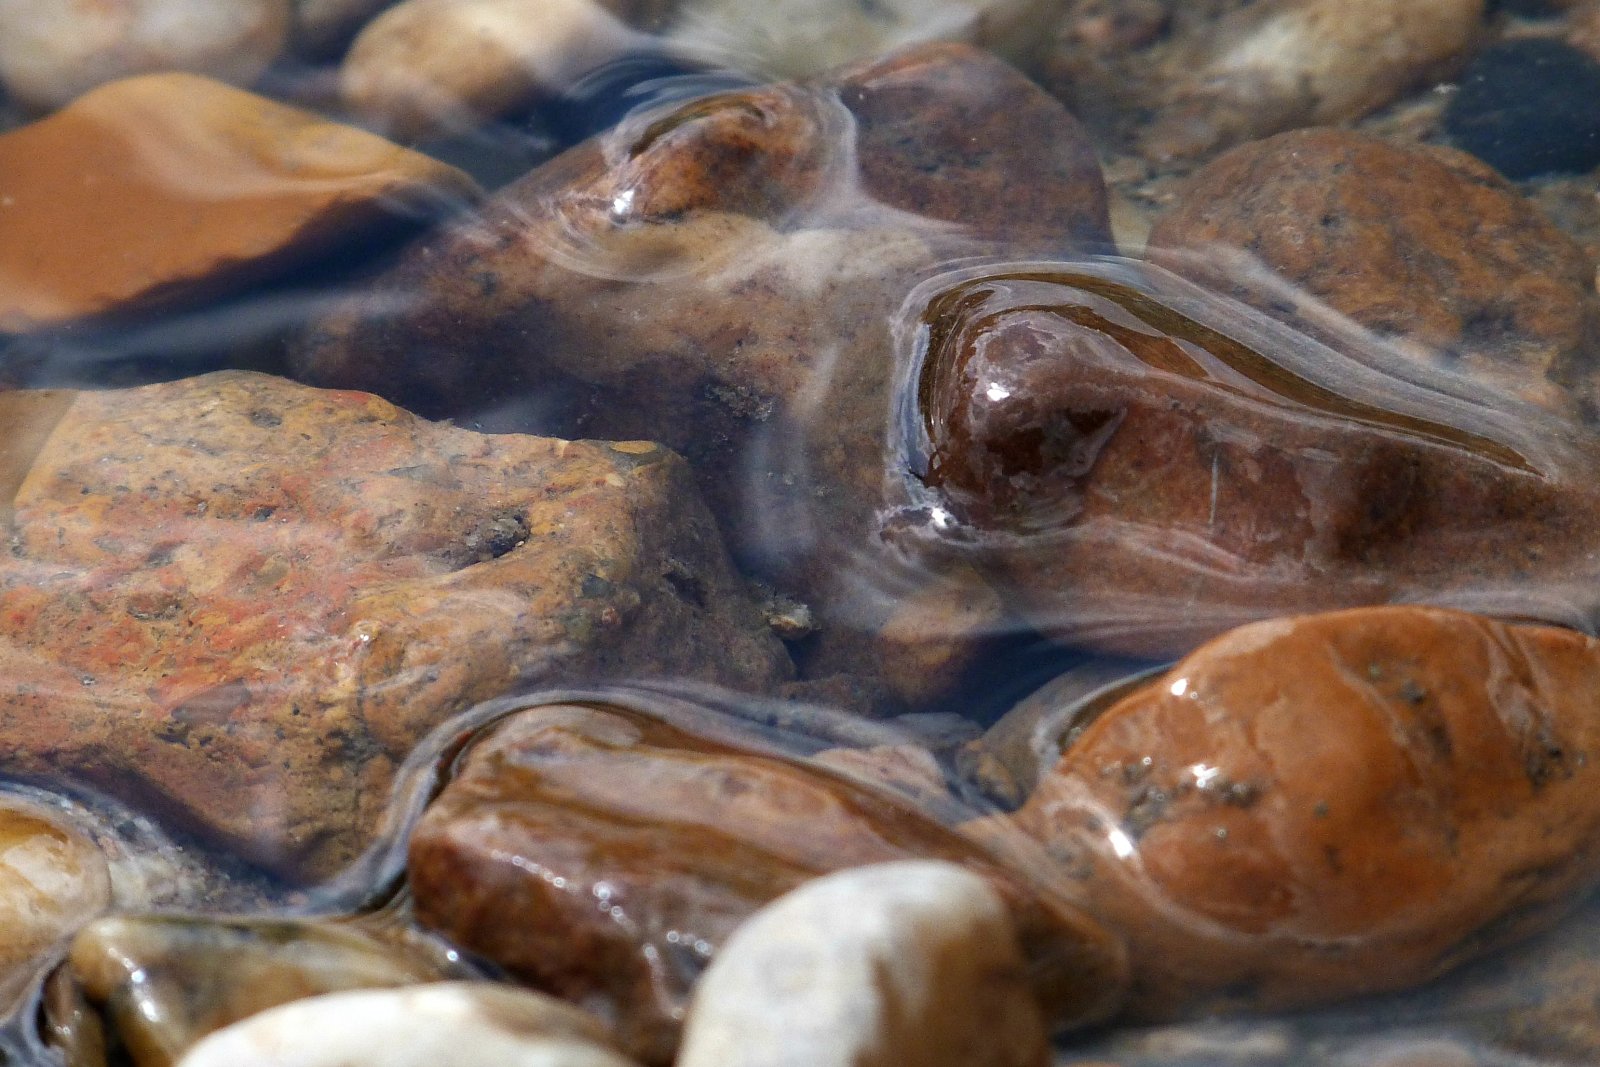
[722, 277]
[170, 189]
[1313, 808]
[239, 602]
[605, 856]
[1143, 465]
[1427, 247]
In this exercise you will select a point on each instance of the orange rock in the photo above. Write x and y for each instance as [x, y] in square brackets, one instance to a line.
[171, 188]
[1314, 808]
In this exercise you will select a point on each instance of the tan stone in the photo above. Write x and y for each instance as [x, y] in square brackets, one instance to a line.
[170, 189]
[53, 878]
[237, 602]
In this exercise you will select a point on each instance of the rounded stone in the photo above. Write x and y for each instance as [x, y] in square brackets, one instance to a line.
[53, 878]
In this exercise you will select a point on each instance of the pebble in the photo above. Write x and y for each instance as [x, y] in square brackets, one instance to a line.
[1526, 108]
[201, 188]
[1315, 808]
[606, 857]
[242, 602]
[441, 1025]
[911, 964]
[428, 67]
[53, 50]
[1426, 247]
[53, 878]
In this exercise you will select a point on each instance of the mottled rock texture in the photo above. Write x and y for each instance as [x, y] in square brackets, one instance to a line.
[239, 602]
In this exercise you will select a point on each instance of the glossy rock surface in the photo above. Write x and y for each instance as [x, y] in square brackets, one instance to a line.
[606, 857]
[240, 602]
[53, 878]
[1318, 807]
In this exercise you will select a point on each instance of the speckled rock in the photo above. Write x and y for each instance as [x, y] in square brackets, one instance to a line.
[53, 878]
[1426, 247]
[239, 602]
[722, 277]
[1324, 806]
[161, 984]
[171, 189]
[454, 1024]
[606, 856]
[52, 50]
[911, 964]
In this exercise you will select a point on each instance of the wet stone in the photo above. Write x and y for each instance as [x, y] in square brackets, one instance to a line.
[912, 964]
[169, 190]
[1428, 248]
[239, 602]
[455, 1024]
[1525, 107]
[607, 857]
[323, 27]
[161, 984]
[1315, 808]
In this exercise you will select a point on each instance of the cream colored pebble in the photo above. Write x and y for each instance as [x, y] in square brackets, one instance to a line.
[912, 964]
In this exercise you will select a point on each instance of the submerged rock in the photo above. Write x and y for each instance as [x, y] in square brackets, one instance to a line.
[1314, 808]
[911, 964]
[239, 602]
[171, 189]
[605, 856]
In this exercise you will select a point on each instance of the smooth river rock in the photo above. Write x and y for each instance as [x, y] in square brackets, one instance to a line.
[238, 602]
[171, 189]
[606, 857]
[1326, 806]
[53, 878]
[912, 964]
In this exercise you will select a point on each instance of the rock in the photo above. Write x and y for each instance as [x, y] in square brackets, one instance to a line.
[438, 66]
[721, 276]
[1321, 807]
[53, 50]
[909, 769]
[324, 27]
[443, 1025]
[240, 602]
[606, 857]
[53, 878]
[1141, 465]
[199, 188]
[911, 964]
[1286, 63]
[164, 983]
[1426, 247]
[1524, 108]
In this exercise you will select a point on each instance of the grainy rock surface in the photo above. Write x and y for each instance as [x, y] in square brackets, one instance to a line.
[453, 1024]
[52, 50]
[239, 602]
[170, 189]
[911, 964]
[1319, 807]
[606, 857]
[1427, 247]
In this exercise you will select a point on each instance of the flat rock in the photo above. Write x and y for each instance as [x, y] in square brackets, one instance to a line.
[1427, 247]
[606, 857]
[172, 189]
[238, 603]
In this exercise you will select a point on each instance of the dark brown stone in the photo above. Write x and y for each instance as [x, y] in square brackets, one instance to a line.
[604, 856]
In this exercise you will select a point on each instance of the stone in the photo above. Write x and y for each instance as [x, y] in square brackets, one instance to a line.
[1326, 806]
[1523, 107]
[238, 603]
[606, 857]
[53, 50]
[171, 189]
[438, 66]
[722, 276]
[1427, 247]
[911, 964]
[1140, 465]
[455, 1024]
[53, 878]
[325, 27]
[164, 983]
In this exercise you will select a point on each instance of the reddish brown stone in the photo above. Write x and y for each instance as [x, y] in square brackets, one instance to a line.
[1426, 246]
[604, 856]
[238, 602]
[1313, 808]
